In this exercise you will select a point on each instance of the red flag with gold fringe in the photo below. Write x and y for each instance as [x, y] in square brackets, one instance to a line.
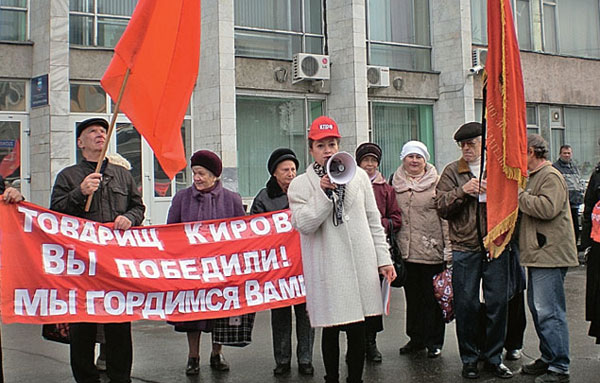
[506, 146]
[161, 49]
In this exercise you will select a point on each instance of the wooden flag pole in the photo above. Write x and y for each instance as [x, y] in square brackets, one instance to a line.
[111, 127]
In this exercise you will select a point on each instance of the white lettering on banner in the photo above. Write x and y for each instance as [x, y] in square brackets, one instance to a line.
[88, 233]
[29, 216]
[156, 310]
[232, 265]
[220, 232]
[91, 232]
[225, 231]
[52, 259]
[44, 302]
[207, 268]
[192, 233]
[211, 269]
[281, 290]
[117, 297]
[90, 298]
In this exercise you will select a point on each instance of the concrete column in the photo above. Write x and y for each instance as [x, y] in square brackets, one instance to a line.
[347, 103]
[214, 95]
[451, 40]
[52, 138]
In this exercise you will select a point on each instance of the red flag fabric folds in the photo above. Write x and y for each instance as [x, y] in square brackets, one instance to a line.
[506, 126]
[161, 48]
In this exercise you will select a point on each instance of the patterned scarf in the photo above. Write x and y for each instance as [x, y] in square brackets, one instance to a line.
[336, 196]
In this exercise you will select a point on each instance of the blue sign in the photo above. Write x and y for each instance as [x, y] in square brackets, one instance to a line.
[7, 143]
[39, 91]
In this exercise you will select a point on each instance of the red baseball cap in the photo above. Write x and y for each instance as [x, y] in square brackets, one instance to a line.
[323, 127]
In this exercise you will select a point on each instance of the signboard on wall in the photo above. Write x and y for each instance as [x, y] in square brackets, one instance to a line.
[39, 91]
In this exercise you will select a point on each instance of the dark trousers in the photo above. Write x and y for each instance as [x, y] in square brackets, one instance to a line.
[424, 320]
[575, 216]
[469, 269]
[516, 322]
[119, 352]
[355, 355]
[281, 326]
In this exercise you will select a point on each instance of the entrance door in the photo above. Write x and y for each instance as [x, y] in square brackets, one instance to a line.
[157, 190]
[14, 152]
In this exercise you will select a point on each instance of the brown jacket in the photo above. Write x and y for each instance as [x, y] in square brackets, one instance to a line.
[459, 208]
[546, 237]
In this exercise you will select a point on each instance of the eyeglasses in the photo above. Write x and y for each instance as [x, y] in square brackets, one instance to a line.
[471, 144]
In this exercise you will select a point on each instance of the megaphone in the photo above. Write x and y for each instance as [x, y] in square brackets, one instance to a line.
[341, 168]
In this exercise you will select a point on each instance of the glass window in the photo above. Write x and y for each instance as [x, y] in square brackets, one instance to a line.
[582, 133]
[479, 21]
[264, 124]
[87, 98]
[13, 20]
[549, 17]
[278, 28]
[129, 144]
[12, 96]
[398, 34]
[523, 16]
[392, 125]
[10, 151]
[579, 28]
[532, 120]
[98, 23]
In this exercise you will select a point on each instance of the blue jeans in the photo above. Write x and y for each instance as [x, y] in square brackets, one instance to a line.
[546, 300]
[469, 269]
[281, 325]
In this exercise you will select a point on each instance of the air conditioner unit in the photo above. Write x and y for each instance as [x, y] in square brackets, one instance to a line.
[378, 76]
[479, 57]
[307, 66]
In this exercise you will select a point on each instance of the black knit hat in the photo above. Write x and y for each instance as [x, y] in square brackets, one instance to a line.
[279, 155]
[208, 160]
[368, 149]
[468, 131]
[89, 122]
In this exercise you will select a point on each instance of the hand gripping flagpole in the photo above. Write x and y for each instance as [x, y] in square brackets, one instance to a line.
[111, 127]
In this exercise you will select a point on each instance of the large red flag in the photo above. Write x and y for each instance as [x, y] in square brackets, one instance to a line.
[161, 48]
[506, 126]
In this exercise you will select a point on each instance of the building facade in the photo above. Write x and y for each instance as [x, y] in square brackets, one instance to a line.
[247, 102]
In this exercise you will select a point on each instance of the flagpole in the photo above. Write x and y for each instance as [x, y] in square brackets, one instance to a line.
[111, 127]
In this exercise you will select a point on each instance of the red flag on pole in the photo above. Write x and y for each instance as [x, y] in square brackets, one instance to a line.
[161, 49]
[506, 145]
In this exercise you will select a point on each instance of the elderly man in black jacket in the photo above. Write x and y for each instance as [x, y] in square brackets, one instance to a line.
[115, 199]
[282, 166]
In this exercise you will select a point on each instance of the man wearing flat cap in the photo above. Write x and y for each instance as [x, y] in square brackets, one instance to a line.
[282, 166]
[115, 199]
[461, 201]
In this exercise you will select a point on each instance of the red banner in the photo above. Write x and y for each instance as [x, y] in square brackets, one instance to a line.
[506, 145]
[59, 268]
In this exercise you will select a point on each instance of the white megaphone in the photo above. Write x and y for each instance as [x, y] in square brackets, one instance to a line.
[341, 168]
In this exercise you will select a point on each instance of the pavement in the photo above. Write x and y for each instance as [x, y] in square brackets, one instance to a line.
[160, 354]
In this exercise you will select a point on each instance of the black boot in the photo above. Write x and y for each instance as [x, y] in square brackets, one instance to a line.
[372, 353]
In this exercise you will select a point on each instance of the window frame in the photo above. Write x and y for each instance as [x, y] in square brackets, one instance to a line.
[370, 42]
[95, 15]
[27, 18]
[306, 98]
[302, 34]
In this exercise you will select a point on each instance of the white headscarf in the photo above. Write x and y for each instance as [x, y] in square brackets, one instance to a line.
[415, 147]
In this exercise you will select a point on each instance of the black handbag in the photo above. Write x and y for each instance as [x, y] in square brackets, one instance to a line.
[396, 257]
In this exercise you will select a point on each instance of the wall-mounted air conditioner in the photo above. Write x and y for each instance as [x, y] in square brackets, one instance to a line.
[378, 76]
[307, 66]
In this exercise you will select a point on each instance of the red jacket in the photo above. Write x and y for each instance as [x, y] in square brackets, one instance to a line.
[386, 203]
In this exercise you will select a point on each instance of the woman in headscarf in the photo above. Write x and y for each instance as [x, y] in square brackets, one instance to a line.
[424, 245]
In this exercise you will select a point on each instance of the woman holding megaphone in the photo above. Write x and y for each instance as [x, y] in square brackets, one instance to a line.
[343, 251]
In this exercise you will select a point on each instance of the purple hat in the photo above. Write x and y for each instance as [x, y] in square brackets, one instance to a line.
[208, 160]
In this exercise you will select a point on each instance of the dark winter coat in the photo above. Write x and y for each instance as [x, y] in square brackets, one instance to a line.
[117, 195]
[271, 198]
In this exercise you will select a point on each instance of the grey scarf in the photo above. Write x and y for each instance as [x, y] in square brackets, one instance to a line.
[336, 196]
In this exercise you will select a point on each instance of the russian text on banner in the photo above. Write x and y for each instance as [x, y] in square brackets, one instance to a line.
[59, 268]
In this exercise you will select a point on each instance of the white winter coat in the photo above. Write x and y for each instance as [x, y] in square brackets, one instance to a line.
[340, 262]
